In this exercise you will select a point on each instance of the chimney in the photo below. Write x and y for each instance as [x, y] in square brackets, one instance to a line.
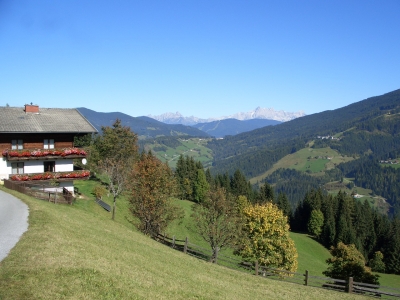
[30, 108]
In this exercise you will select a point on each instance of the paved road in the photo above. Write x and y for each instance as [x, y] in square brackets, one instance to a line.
[13, 222]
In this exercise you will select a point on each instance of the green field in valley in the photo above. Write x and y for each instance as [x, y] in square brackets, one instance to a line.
[192, 147]
[308, 160]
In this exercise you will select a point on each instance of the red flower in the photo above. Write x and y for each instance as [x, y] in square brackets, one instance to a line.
[37, 177]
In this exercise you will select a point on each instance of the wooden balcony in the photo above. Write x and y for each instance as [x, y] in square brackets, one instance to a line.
[59, 176]
[43, 154]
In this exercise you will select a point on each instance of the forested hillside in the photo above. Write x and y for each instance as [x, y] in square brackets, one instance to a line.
[297, 132]
[222, 128]
[368, 131]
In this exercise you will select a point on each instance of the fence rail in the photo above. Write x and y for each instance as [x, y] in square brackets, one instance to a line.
[41, 191]
[339, 285]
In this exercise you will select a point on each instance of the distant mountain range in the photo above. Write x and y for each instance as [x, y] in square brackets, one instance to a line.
[144, 127]
[258, 113]
[147, 127]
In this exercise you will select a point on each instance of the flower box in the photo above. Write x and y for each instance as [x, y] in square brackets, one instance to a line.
[47, 176]
[44, 152]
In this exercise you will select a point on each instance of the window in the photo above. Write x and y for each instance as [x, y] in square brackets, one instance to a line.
[17, 144]
[49, 166]
[17, 168]
[48, 144]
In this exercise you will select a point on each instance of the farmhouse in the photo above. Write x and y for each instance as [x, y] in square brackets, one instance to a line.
[37, 144]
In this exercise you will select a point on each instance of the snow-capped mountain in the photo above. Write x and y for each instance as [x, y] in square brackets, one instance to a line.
[178, 118]
[258, 113]
[268, 113]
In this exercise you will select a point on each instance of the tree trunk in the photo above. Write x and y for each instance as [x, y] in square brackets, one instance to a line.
[113, 212]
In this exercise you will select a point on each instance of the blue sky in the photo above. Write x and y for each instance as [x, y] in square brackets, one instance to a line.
[201, 58]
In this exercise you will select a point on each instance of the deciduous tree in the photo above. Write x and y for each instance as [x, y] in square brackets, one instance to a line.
[316, 222]
[376, 263]
[266, 237]
[153, 184]
[114, 153]
[216, 220]
[347, 261]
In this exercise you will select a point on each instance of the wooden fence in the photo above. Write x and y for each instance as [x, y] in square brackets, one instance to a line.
[348, 286]
[41, 191]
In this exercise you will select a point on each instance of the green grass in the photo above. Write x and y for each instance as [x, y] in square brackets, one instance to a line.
[314, 165]
[394, 166]
[78, 252]
[307, 159]
[312, 255]
[377, 202]
[193, 147]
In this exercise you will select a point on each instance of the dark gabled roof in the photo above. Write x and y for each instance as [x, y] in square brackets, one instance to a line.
[61, 120]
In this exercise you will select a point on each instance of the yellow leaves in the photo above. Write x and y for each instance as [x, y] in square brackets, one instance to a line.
[268, 238]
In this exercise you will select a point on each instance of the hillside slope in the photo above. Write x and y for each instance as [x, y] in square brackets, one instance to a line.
[226, 127]
[77, 252]
[302, 129]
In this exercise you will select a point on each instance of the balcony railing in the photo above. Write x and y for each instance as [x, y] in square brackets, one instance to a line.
[74, 175]
[28, 154]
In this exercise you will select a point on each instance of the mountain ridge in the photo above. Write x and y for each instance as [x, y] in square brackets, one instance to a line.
[258, 113]
[144, 127]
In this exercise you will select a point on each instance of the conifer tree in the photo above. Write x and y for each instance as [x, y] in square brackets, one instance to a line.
[283, 204]
[344, 227]
[328, 234]
[266, 194]
[239, 185]
[201, 186]
[392, 251]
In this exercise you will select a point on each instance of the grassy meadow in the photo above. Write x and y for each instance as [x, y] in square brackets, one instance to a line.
[308, 160]
[78, 252]
[193, 147]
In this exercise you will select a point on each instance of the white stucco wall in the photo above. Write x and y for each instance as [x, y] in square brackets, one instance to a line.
[3, 169]
[64, 165]
[35, 166]
[32, 166]
[69, 185]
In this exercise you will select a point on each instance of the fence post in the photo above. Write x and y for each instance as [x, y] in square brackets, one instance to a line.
[185, 247]
[350, 285]
[173, 242]
[256, 268]
[306, 278]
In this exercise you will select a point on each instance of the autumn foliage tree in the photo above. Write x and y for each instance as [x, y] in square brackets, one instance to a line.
[266, 237]
[216, 220]
[152, 186]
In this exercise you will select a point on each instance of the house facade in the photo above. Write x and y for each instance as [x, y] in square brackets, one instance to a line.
[37, 144]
